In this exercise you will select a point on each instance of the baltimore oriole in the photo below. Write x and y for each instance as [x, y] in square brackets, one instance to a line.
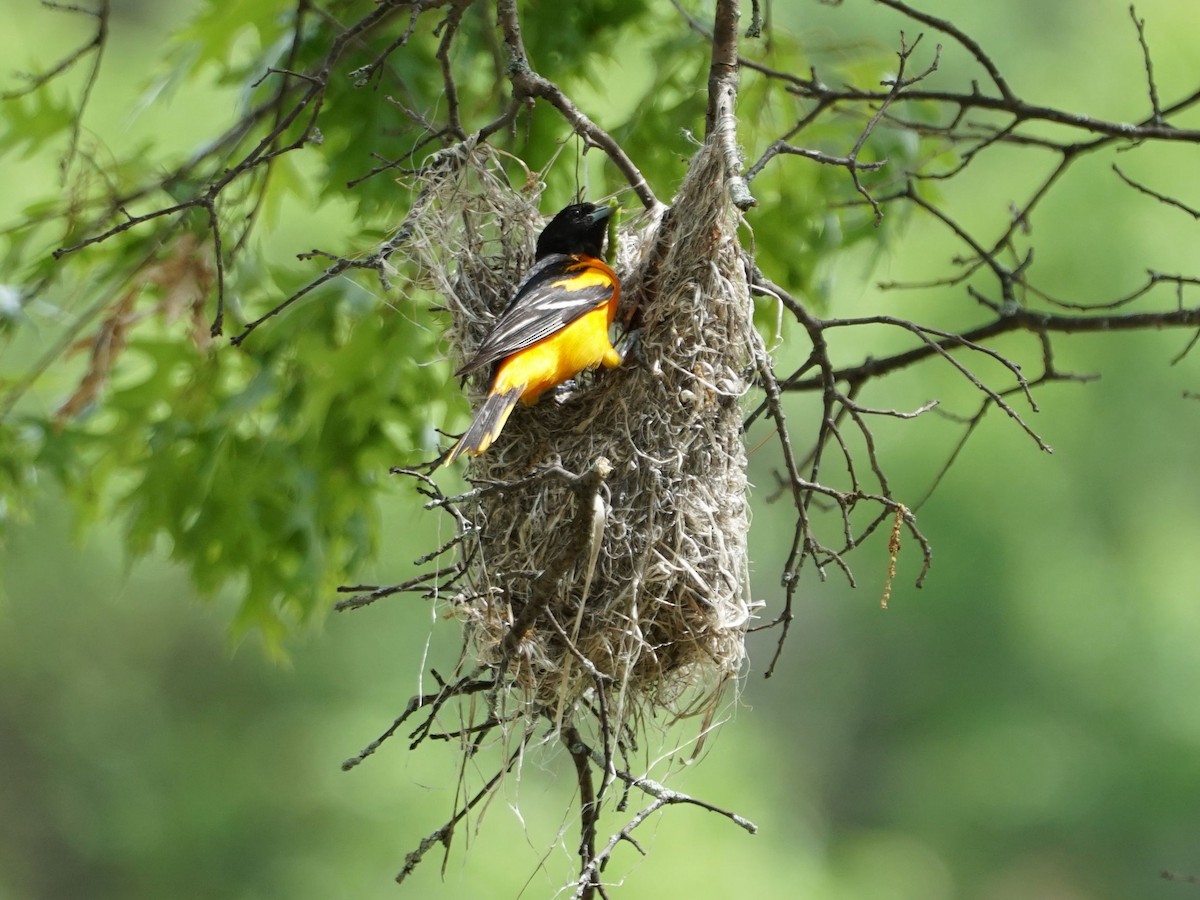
[555, 327]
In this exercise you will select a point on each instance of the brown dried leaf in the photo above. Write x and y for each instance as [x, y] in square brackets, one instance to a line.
[105, 347]
[184, 278]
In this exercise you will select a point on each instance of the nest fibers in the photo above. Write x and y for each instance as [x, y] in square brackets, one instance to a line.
[605, 542]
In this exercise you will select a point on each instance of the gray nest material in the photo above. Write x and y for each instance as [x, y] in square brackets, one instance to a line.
[607, 561]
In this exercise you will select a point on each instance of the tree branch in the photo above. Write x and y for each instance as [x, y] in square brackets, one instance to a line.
[720, 121]
[529, 85]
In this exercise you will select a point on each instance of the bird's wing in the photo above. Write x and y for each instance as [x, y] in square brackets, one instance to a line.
[556, 291]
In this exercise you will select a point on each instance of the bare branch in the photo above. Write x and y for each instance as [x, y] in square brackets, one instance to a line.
[1017, 320]
[899, 83]
[444, 834]
[1023, 111]
[529, 85]
[949, 28]
[1162, 198]
[1140, 25]
[720, 121]
[782, 146]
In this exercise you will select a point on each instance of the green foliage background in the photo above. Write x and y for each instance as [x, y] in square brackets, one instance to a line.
[1025, 726]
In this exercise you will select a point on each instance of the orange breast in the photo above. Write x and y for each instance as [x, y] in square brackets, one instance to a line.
[581, 345]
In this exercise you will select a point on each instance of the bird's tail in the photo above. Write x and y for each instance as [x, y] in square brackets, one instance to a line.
[486, 426]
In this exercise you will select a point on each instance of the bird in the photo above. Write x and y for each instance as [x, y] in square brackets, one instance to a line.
[555, 326]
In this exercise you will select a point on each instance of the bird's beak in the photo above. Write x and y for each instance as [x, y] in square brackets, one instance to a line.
[601, 215]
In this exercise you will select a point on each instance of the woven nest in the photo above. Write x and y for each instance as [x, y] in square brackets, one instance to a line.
[605, 539]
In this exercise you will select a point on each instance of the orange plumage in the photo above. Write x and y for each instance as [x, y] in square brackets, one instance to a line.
[555, 327]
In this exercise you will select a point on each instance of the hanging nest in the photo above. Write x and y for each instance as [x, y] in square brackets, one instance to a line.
[604, 543]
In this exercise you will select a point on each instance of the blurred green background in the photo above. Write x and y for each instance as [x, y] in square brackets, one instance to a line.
[1026, 726]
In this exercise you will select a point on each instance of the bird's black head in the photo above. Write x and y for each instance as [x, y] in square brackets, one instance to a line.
[579, 228]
